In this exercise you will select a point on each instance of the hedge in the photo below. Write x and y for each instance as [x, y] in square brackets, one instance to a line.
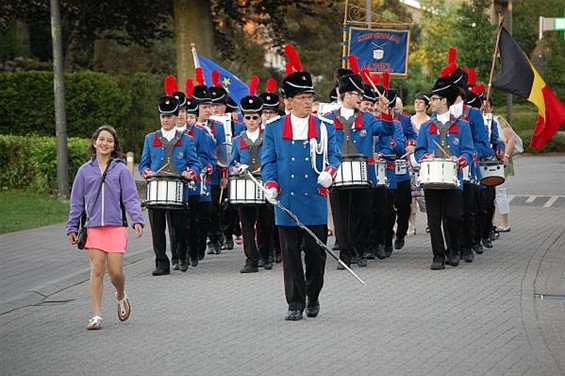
[31, 161]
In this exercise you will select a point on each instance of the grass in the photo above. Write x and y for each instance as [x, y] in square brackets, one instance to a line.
[26, 209]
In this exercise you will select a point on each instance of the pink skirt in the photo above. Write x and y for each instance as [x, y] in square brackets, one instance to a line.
[112, 239]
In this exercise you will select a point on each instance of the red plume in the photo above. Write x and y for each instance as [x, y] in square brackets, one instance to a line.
[448, 70]
[478, 89]
[171, 85]
[365, 75]
[216, 78]
[253, 83]
[271, 85]
[200, 76]
[376, 78]
[288, 68]
[451, 55]
[293, 57]
[386, 80]
[353, 64]
[189, 87]
[472, 76]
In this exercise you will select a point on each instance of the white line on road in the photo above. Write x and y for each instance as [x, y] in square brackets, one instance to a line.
[531, 199]
[551, 201]
[510, 198]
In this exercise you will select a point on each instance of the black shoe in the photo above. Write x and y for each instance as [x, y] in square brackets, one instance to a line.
[381, 253]
[478, 248]
[467, 255]
[159, 271]
[211, 250]
[362, 262]
[453, 259]
[278, 258]
[194, 262]
[217, 248]
[249, 269]
[487, 243]
[312, 310]
[293, 315]
[399, 243]
[260, 263]
[370, 254]
[176, 265]
[492, 235]
[268, 265]
[388, 250]
[184, 265]
[229, 245]
[336, 247]
[200, 257]
[437, 265]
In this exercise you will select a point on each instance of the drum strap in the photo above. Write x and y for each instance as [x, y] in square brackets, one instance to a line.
[347, 146]
[168, 165]
[255, 160]
[443, 130]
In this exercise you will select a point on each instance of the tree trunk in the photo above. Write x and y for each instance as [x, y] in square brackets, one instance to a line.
[22, 34]
[193, 24]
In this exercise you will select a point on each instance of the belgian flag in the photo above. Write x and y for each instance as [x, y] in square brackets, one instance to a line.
[518, 76]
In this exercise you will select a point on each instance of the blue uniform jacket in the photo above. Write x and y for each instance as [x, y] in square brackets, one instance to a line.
[407, 128]
[366, 127]
[392, 145]
[286, 164]
[216, 137]
[398, 141]
[459, 142]
[203, 144]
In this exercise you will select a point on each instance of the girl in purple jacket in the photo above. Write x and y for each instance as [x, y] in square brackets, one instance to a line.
[107, 227]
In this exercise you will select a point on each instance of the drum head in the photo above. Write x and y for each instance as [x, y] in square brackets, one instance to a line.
[223, 154]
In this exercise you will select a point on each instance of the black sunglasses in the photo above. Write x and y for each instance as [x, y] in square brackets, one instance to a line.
[249, 117]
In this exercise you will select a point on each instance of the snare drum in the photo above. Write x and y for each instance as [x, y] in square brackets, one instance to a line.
[165, 192]
[380, 170]
[400, 167]
[244, 191]
[439, 174]
[352, 173]
[467, 174]
[492, 173]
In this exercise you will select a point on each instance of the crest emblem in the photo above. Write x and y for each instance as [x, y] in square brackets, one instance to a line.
[180, 155]
[363, 133]
[455, 141]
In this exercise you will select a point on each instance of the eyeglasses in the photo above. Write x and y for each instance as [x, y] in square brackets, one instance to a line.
[249, 117]
[434, 98]
[305, 98]
[355, 93]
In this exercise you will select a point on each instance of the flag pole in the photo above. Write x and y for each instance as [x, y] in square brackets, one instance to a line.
[195, 56]
[344, 37]
[494, 56]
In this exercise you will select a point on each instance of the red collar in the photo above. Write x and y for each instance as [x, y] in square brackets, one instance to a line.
[157, 141]
[358, 121]
[243, 144]
[287, 128]
[453, 129]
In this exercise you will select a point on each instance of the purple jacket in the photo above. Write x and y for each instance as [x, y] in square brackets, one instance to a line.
[107, 210]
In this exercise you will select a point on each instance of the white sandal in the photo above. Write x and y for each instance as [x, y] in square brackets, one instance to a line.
[94, 323]
[124, 309]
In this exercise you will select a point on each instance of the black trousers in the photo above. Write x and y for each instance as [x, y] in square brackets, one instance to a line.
[444, 208]
[470, 207]
[351, 211]
[388, 218]
[487, 196]
[158, 222]
[399, 211]
[230, 220]
[257, 225]
[378, 216]
[193, 232]
[173, 242]
[211, 216]
[300, 283]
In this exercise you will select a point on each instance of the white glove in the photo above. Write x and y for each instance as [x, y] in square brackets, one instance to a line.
[325, 179]
[271, 195]
[242, 168]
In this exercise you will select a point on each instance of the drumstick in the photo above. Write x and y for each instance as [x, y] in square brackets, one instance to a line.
[221, 195]
[442, 149]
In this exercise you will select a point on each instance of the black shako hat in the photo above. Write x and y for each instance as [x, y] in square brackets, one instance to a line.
[231, 105]
[270, 99]
[299, 81]
[181, 98]
[351, 82]
[445, 88]
[218, 94]
[168, 105]
[333, 95]
[252, 103]
[369, 93]
[201, 93]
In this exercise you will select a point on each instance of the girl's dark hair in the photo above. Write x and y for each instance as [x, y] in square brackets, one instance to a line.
[116, 153]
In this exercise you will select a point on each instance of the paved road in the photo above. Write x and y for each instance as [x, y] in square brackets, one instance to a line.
[504, 314]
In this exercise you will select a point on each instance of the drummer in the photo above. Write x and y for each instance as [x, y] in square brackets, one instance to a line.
[257, 220]
[354, 129]
[444, 207]
[168, 152]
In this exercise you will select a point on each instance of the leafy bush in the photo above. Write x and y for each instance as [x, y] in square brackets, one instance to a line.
[31, 161]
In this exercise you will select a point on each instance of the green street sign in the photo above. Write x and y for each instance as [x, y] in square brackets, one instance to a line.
[560, 24]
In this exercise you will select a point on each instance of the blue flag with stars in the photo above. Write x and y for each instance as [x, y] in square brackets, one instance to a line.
[236, 88]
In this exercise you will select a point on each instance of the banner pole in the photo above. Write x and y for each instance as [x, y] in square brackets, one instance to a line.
[494, 57]
[344, 37]
[195, 56]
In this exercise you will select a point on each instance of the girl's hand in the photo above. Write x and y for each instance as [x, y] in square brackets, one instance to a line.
[138, 230]
[73, 238]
